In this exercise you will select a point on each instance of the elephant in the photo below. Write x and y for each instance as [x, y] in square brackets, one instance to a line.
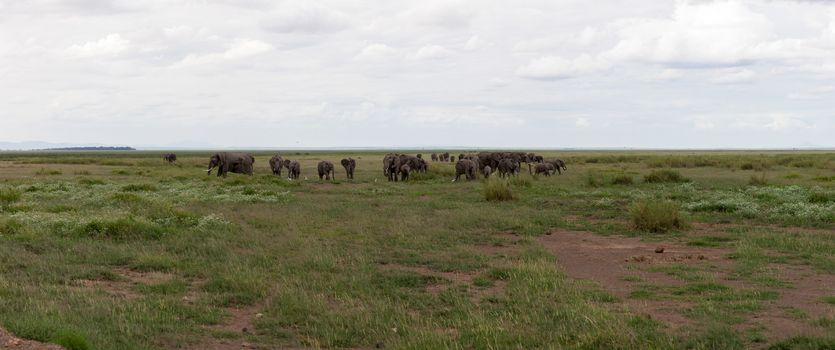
[405, 169]
[170, 158]
[349, 164]
[464, 167]
[391, 166]
[415, 163]
[234, 162]
[419, 156]
[461, 156]
[558, 164]
[276, 163]
[294, 169]
[507, 167]
[538, 159]
[545, 168]
[325, 169]
[445, 157]
[487, 171]
[434, 157]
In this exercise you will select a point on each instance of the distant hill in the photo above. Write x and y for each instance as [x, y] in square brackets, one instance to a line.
[100, 148]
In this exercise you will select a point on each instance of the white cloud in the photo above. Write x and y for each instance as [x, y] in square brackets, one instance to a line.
[582, 122]
[239, 49]
[306, 17]
[734, 76]
[375, 52]
[110, 45]
[784, 122]
[433, 52]
[475, 43]
[553, 67]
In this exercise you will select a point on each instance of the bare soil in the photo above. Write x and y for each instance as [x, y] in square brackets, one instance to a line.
[613, 262]
[9, 341]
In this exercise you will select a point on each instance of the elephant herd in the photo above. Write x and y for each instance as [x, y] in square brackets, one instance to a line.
[242, 163]
[396, 167]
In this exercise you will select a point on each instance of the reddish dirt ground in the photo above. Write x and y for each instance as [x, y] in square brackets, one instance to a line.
[9, 341]
[608, 261]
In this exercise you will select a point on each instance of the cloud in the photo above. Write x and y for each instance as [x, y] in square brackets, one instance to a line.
[734, 76]
[376, 52]
[783, 122]
[475, 43]
[554, 67]
[110, 45]
[239, 49]
[433, 52]
[305, 17]
[582, 122]
[716, 33]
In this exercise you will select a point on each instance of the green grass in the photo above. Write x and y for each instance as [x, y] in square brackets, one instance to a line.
[657, 217]
[121, 251]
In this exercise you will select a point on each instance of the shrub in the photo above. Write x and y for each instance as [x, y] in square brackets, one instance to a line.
[593, 179]
[139, 188]
[824, 178]
[747, 166]
[822, 197]
[792, 176]
[71, 341]
[758, 180]
[496, 189]
[666, 175]
[48, 172]
[658, 217]
[91, 182]
[82, 172]
[124, 228]
[522, 180]
[8, 196]
[622, 179]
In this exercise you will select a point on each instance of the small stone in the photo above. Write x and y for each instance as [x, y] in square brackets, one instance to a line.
[659, 250]
[259, 315]
[245, 330]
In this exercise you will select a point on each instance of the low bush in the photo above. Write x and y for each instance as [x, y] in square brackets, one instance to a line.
[119, 229]
[8, 196]
[496, 189]
[521, 180]
[593, 179]
[822, 197]
[48, 172]
[622, 179]
[72, 341]
[657, 217]
[139, 188]
[758, 180]
[666, 175]
[91, 182]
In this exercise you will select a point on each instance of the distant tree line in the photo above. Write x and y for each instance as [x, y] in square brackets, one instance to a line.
[92, 149]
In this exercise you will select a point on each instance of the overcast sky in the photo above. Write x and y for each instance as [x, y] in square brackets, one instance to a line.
[353, 73]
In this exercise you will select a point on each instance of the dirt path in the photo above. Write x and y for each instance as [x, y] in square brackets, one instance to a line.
[618, 265]
[9, 341]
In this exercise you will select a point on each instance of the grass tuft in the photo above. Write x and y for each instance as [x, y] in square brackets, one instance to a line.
[665, 175]
[657, 217]
[622, 179]
[496, 189]
[72, 341]
[758, 180]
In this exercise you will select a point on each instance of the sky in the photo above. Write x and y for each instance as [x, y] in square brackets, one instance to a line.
[419, 73]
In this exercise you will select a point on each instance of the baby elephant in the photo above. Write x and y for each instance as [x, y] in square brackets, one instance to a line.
[544, 168]
[294, 169]
[487, 171]
[325, 170]
[349, 164]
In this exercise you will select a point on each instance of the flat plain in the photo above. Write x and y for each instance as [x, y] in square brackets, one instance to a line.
[624, 250]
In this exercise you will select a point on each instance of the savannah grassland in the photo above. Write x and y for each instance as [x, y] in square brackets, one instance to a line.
[121, 251]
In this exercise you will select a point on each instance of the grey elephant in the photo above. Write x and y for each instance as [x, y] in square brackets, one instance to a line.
[445, 157]
[276, 163]
[405, 169]
[464, 167]
[487, 171]
[349, 164]
[558, 164]
[391, 166]
[294, 169]
[508, 167]
[325, 169]
[234, 162]
[170, 158]
[434, 157]
[419, 156]
[545, 168]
